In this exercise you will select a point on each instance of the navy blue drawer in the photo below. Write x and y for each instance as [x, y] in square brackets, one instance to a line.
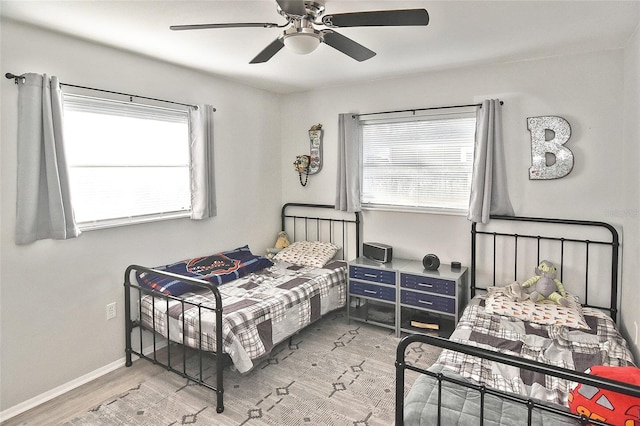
[430, 284]
[428, 301]
[371, 290]
[373, 275]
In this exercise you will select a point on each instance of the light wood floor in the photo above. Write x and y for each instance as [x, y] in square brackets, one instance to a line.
[82, 399]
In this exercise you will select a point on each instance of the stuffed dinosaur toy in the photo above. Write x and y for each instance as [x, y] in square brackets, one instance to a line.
[547, 286]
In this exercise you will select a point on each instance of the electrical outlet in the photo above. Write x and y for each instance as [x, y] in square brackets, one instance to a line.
[111, 310]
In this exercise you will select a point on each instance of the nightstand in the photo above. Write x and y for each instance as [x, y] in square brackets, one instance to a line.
[434, 297]
[373, 291]
[394, 294]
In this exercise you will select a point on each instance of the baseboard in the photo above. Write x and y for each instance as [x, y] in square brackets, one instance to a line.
[69, 386]
[55, 392]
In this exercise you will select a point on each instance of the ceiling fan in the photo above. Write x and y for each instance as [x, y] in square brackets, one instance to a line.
[302, 37]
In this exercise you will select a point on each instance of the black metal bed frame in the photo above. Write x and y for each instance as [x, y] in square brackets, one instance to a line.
[294, 219]
[223, 360]
[624, 388]
[614, 243]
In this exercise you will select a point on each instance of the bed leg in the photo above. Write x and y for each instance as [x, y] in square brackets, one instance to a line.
[220, 364]
[219, 386]
[128, 326]
[220, 403]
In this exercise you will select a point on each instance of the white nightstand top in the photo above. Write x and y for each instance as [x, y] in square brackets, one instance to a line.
[411, 266]
[444, 271]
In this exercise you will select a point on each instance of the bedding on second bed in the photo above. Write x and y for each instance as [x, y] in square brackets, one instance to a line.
[260, 310]
[564, 346]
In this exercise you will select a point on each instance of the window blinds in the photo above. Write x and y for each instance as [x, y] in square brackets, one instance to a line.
[127, 162]
[418, 161]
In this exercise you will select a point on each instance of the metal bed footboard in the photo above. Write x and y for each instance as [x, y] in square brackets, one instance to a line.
[222, 359]
[318, 221]
[531, 404]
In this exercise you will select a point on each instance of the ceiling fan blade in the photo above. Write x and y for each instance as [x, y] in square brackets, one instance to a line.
[268, 52]
[347, 46]
[232, 25]
[292, 7]
[382, 18]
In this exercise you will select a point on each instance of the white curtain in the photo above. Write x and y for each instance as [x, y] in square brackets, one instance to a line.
[43, 206]
[348, 182]
[203, 189]
[489, 194]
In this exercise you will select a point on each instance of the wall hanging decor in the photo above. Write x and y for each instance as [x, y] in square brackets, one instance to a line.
[310, 164]
[550, 159]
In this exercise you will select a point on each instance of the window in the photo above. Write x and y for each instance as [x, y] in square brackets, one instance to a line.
[419, 162]
[128, 163]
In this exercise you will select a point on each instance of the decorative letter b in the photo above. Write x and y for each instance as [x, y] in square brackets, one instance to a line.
[549, 158]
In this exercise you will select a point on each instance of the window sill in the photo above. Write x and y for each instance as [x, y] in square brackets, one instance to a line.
[126, 221]
[421, 210]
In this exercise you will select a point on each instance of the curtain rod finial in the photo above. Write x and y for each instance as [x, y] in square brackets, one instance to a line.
[16, 78]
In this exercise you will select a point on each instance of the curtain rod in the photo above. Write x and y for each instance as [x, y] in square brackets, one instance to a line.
[421, 109]
[17, 78]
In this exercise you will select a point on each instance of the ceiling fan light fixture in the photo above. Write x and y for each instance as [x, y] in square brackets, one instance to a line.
[302, 41]
[302, 16]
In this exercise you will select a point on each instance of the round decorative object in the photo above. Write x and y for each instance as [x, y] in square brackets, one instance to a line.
[431, 262]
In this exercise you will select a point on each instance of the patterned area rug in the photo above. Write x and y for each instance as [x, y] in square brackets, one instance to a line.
[333, 373]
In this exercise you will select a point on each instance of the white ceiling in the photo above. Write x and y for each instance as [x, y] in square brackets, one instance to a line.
[460, 33]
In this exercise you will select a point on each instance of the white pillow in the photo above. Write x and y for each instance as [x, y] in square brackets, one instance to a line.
[545, 312]
[308, 253]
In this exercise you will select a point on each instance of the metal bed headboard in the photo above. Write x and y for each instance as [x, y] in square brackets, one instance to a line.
[335, 227]
[585, 246]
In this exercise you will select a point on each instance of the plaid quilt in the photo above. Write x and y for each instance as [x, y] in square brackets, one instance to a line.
[259, 310]
[556, 345]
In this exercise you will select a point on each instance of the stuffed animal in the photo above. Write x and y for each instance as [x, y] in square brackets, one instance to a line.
[282, 241]
[547, 286]
[513, 291]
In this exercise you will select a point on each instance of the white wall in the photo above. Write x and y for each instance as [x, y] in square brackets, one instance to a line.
[587, 90]
[631, 191]
[54, 294]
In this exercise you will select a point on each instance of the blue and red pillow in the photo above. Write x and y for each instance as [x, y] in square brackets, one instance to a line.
[217, 269]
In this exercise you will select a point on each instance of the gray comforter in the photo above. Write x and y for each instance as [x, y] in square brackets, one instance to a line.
[460, 406]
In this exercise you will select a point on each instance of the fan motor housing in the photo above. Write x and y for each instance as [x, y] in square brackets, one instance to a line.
[313, 9]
